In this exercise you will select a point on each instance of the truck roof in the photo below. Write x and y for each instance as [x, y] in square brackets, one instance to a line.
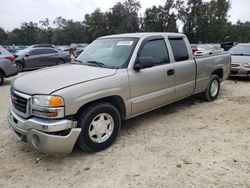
[144, 35]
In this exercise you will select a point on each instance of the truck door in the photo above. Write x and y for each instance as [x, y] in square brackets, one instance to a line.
[185, 68]
[154, 86]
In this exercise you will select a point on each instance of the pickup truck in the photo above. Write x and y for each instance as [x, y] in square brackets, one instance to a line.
[115, 78]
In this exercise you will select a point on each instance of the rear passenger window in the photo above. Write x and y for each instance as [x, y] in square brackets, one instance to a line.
[49, 51]
[36, 52]
[157, 50]
[179, 49]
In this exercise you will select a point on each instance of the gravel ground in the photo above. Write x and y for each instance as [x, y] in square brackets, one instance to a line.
[190, 143]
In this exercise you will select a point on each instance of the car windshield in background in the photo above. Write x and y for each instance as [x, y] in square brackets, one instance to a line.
[109, 52]
[240, 50]
[22, 52]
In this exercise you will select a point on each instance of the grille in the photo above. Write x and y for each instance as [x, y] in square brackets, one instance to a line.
[18, 102]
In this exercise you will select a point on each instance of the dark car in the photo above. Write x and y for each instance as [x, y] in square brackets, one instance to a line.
[34, 58]
[7, 66]
[240, 65]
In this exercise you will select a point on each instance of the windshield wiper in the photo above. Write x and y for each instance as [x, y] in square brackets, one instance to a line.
[77, 61]
[100, 64]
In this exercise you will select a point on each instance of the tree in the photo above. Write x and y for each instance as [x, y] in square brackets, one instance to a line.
[29, 32]
[123, 17]
[3, 36]
[161, 18]
[95, 25]
[204, 21]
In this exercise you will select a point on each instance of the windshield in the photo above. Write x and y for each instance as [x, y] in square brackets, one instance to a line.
[22, 52]
[243, 50]
[110, 52]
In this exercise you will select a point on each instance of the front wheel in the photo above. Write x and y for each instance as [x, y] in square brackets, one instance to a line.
[213, 89]
[19, 66]
[100, 125]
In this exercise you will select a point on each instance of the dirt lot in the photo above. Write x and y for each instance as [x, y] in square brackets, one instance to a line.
[187, 144]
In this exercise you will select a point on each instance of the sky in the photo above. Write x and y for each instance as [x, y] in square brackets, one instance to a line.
[14, 12]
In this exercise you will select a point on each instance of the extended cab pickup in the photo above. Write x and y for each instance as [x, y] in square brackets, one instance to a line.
[116, 78]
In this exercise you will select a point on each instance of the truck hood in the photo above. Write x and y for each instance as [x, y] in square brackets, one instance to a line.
[48, 80]
[240, 59]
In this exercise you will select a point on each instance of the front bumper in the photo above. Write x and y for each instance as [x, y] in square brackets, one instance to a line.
[239, 71]
[41, 135]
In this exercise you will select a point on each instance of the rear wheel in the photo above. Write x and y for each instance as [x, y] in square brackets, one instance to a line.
[100, 125]
[1, 78]
[213, 89]
[60, 61]
[19, 66]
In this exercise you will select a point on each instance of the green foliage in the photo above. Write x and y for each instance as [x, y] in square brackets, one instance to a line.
[161, 18]
[203, 21]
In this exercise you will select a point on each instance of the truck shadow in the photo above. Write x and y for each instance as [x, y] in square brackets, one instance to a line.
[128, 128]
[235, 79]
[163, 111]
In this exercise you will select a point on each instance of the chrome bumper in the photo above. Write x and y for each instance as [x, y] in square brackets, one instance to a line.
[239, 71]
[37, 133]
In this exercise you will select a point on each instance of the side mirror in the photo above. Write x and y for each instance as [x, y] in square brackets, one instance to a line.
[27, 55]
[144, 62]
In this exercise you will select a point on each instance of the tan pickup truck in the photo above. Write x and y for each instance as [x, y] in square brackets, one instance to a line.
[117, 77]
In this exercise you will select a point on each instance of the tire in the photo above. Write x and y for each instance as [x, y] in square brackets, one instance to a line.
[1, 78]
[213, 89]
[100, 123]
[60, 61]
[19, 66]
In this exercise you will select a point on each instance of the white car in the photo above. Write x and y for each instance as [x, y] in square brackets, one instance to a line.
[208, 49]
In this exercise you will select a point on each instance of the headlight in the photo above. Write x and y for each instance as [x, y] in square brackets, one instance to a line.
[247, 65]
[47, 101]
[47, 106]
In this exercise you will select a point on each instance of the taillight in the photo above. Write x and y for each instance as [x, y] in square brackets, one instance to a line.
[11, 57]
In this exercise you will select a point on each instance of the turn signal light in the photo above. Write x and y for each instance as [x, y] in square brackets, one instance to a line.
[55, 101]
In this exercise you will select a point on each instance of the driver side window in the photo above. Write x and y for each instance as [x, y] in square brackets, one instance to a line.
[157, 50]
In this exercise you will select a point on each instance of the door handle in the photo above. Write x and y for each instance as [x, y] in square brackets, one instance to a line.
[170, 72]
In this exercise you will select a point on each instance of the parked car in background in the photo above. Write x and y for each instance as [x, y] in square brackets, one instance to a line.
[7, 66]
[42, 45]
[78, 47]
[63, 48]
[20, 47]
[240, 65]
[227, 45]
[194, 48]
[115, 78]
[4, 53]
[33, 58]
[208, 49]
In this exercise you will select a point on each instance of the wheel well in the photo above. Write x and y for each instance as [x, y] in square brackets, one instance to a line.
[114, 100]
[1, 71]
[62, 59]
[21, 63]
[218, 72]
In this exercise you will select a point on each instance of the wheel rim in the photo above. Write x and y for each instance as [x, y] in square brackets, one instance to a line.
[214, 88]
[19, 67]
[101, 128]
